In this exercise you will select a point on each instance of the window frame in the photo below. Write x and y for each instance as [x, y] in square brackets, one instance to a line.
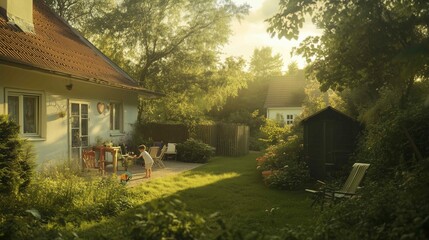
[290, 118]
[40, 124]
[113, 107]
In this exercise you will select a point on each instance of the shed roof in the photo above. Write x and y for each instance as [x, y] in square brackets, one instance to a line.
[325, 110]
[59, 49]
[286, 91]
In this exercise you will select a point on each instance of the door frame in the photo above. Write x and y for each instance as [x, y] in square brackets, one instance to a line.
[70, 128]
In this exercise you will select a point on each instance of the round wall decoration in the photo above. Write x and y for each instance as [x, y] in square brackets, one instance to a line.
[100, 107]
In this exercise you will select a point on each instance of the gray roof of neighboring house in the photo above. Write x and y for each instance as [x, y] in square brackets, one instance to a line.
[59, 49]
[286, 91]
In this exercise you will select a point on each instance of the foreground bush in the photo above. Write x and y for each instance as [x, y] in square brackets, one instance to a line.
[16, 159]
[57, 199]
[167, 220]
[194, 151]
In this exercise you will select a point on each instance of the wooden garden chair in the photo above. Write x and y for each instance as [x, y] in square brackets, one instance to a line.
[153, 151]
[158, 160]
[171, 151]
[90, 163]
[347, 191]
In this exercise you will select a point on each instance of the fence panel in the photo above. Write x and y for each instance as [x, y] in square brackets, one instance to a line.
[174, 133]
[207, 134]
[232, 140]
[228, 139]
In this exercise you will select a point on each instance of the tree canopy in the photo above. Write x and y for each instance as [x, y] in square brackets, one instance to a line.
[169, 46]
[376, 48]
[80, 13]
[263, 66]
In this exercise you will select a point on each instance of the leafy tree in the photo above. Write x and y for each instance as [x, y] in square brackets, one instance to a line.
[368, 46]
[264, 64]
[263, 67]
[79, 13]
[194, 92]
[316, 100]
[292, 68]
[172, 47]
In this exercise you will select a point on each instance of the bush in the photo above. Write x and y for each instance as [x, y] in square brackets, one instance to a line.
[286, 160]
[194, 151]
[291, 177]
[274, 132]
[166, 220]
[16, 159]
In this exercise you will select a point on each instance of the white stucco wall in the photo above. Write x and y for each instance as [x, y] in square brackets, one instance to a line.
[273, 112]
[54, 144]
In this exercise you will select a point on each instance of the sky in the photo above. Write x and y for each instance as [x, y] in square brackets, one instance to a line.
[251, 32]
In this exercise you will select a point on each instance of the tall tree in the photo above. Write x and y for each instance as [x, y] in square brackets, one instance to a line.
[169, 46]
[79, 13]
[375, 48]
[148, 32]
[264, 65]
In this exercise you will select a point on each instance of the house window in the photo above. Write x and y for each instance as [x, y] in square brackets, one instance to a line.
[280, 118]
[24, 108]
[116, 116]
[289, 119]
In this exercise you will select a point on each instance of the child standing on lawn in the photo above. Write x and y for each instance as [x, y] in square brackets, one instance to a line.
[148, 160]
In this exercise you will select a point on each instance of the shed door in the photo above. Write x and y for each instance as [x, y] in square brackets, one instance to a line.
[78, 128]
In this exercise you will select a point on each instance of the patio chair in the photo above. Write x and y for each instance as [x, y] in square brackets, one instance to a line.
[171, 151]
[89, 162]
[153, 151]
[158, 159]
[347, 191]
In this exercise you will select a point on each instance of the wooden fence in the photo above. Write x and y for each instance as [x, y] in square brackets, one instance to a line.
[228, 139]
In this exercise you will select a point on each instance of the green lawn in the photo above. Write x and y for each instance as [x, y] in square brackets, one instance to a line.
[231, 186]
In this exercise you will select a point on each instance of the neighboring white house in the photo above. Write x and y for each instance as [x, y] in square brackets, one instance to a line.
[64, 93]
[285, 97]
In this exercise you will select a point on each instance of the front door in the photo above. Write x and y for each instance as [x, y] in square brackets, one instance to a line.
[78, 128]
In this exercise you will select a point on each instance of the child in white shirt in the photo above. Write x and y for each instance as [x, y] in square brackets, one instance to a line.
[148, 160]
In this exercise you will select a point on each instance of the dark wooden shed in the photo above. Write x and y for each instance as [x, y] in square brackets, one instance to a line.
[329, 138]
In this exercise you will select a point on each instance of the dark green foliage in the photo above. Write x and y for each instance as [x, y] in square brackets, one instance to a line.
[16, 159]
[273, 132]
[167, 220]
[193, 150]
[22, 224]
[286, 160]
[397, 141]
[292, 177]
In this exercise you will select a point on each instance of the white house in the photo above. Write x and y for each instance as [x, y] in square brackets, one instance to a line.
[64, 93]
[285, 97]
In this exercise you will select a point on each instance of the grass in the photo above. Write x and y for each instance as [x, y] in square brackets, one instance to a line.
[230, 186]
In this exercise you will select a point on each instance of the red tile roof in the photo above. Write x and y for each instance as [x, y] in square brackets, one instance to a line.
[286, 91]
[58, 48]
